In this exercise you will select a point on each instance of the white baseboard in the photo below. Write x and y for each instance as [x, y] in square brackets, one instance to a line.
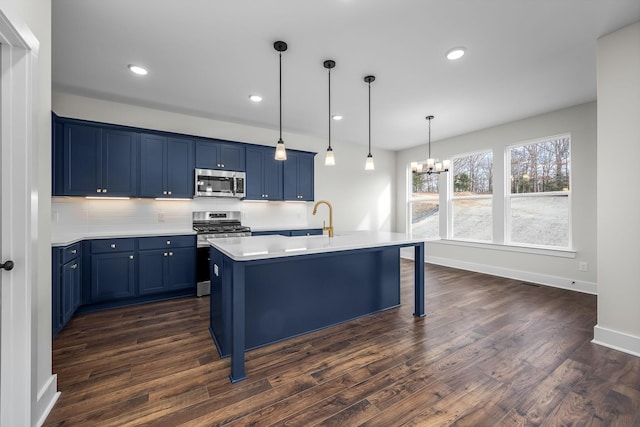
[47, 398]
[525, 276]
[616, 340]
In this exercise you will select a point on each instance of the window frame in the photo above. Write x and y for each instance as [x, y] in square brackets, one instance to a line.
[508, 195]
[411, 200]
[451, 197]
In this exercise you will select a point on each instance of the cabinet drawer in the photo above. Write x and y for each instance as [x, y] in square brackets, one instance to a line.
[112, 245]
[163, 242]
[70, 252]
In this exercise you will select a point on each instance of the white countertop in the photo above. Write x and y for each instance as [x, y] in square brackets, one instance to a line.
[266, 247]
[64, 239]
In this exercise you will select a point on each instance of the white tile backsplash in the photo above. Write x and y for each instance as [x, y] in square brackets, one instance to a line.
[78, 215]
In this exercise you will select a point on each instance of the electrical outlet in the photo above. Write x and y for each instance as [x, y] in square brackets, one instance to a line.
[160, 216]
[584, 266]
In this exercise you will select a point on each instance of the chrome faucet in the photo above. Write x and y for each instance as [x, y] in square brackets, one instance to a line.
[330, 227]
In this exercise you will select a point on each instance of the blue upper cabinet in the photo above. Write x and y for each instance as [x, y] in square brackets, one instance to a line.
[264, 174]
[214, 154]
[98, 161]
[298, 176]
[166, 166]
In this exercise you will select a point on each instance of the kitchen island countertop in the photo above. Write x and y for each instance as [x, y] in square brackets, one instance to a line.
[267, 247]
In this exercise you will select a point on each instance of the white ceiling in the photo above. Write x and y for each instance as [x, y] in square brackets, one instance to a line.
[205, 57]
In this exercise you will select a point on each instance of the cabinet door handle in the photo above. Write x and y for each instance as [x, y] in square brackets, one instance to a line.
[130, 256]
[223, 165]
[169, 192]
[74, 251]
[113, 246]
[74, 266]
[104, 190]
[170, 253]
[168, 242]
[166, 254]
[164, 192]
[99, 190]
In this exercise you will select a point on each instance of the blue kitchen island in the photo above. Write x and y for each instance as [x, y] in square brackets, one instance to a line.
[265, 289]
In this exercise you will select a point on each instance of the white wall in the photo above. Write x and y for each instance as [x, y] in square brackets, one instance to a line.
[362, 200]
[37, 16]
[618, 199]
[580, 121]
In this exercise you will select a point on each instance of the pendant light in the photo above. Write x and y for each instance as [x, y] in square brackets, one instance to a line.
[368, 166]
[432, 165]
[281, 152]
[329, 159]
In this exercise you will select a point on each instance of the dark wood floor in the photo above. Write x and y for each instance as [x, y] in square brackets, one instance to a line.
[491, 352]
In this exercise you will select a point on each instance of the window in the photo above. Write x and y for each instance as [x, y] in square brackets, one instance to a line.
[424, 205]
[471, 203]
[538, 196]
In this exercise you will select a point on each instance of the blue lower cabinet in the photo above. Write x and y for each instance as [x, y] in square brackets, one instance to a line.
[181, 269]
[152, 271]
[112, 276]
[66, 284]
[166, 264]
[166, 270]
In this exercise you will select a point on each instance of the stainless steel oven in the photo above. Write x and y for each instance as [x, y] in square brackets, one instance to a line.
[211, 225]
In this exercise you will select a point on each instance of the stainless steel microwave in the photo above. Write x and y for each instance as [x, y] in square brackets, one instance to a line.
[216, 183]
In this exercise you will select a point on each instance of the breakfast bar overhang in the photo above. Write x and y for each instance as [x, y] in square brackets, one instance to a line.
[265, 289]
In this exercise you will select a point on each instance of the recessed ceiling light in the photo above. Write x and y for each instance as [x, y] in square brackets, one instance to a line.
[455, 53]
[336, 117]
[255, 98]
[138, 70]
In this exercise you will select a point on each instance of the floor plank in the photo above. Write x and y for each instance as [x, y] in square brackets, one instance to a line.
[490, 352]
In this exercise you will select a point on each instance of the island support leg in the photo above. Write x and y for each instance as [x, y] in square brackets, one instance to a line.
[237, 323]
[418, 284]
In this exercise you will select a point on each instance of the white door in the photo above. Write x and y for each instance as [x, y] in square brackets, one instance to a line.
[18, 220]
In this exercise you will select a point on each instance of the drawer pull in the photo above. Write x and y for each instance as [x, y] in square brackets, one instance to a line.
[74, 266]
[130, 256]
[113, 246]
[74, 251]
[168, 242]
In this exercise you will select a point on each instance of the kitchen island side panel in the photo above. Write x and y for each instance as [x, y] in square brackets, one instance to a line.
[286, 297]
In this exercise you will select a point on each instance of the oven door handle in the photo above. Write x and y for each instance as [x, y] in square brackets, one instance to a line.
[235, 186]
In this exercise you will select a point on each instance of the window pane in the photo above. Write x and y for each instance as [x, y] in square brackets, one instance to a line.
[540, 220]
[472, 219]
[424, 218]
[541, 166]
[424, 185]
[473, 174]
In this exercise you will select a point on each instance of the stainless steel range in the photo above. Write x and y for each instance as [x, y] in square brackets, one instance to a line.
[211, 225]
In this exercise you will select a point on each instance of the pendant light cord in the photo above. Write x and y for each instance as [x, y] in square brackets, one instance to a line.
[429, 138]
[369, 118]
[329, 108]
[280, 95]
